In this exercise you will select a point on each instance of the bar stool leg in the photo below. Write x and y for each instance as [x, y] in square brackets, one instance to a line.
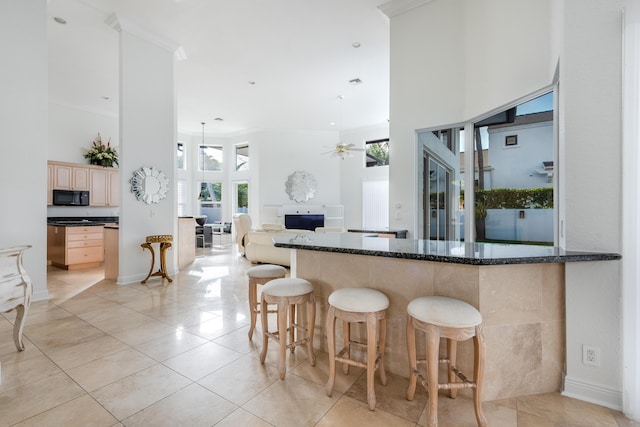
[292, 331]
[452, 350]
[371, 359]
[433, 344]
[311, 324]
[346, 339]
[331, 344]
[282, 337]
[265, 329]
[253, 302]
[411, 350]
[381, 344]
[478, 375]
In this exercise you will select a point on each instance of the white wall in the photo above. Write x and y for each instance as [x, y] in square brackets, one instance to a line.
[72, 130]
[590, 85]
[354, 172]
[506, 46]
[281, 153]
[23, 120]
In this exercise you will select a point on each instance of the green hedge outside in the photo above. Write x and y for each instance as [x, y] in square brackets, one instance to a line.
[514, 198]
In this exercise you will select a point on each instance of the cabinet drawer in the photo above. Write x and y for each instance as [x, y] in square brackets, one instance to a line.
[84, 243]
[87, 229]
[84, 236]
[82, 255]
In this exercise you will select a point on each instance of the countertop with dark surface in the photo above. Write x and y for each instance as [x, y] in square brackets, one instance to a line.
[81, 221]
[439, 251]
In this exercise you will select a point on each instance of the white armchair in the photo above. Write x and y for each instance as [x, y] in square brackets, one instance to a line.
[242, 225]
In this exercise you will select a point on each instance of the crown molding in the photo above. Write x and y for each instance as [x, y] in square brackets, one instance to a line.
[120, 24]
[396, 7]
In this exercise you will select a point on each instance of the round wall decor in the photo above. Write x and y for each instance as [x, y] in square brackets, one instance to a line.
[149, 185]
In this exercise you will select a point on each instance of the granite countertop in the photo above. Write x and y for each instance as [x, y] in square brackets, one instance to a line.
[440, 251]
[81, 221]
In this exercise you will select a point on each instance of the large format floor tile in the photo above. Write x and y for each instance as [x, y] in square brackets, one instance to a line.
[174, 354]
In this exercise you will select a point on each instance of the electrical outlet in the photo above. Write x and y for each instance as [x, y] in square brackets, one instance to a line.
[590, 355]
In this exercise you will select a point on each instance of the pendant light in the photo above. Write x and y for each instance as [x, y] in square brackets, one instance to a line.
[201, 196]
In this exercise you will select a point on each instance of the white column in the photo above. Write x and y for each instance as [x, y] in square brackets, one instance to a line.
[148, 138]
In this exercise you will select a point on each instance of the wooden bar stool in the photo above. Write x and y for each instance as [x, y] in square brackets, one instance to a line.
[165, 243]
[359, 305]
[455, 320]
[260, 275]
[287, 293]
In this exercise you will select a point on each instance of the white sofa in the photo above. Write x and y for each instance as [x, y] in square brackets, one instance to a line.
[259, 245]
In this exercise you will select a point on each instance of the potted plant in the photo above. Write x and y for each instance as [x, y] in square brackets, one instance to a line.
[100, 154]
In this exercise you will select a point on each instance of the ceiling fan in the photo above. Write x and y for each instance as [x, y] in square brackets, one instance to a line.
[341, 149]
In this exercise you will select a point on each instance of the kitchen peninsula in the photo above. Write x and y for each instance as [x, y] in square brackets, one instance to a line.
[518, 289]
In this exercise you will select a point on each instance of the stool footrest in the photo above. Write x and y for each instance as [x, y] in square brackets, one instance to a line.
[340, 357]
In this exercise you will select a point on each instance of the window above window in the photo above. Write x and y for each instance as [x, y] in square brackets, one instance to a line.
[242, 157]
[377, 152]
[210, 158]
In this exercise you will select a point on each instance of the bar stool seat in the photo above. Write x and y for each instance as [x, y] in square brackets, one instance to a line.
[455, 320]
[260, 275]
[358, 305]
[286, 293]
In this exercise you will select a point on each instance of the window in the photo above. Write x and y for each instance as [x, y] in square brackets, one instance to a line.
[377, 152]
[181, 157]
[513, 190]
[182, 197]
[242, 157]
[210, 158]
[242, 197]
[515, 205]
[211, 200]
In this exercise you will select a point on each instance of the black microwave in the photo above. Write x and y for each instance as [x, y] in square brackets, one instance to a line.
[70, 198]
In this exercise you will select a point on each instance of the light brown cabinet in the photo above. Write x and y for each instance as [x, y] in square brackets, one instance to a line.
[69, 177]
[103, 184]
[75, 247]
[105, 190]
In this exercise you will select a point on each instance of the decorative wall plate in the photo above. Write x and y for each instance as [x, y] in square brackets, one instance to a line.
[301, 186]
[149, 185]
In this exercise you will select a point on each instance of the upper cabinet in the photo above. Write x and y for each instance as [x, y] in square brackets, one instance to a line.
[103, 184]
[68, 177]
[105, 190]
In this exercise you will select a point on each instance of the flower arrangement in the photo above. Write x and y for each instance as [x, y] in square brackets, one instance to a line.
[100, 154]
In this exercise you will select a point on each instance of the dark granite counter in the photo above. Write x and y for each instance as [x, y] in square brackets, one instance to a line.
[81, 221]
[439, 251]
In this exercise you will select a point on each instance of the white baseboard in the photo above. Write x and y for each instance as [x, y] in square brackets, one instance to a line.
[593, 393]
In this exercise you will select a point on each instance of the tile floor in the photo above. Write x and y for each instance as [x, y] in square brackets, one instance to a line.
[177, 354]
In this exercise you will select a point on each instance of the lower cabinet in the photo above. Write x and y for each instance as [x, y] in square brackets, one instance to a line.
[75, 247]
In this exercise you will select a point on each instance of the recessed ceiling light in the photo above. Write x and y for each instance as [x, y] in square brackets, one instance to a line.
[219, 119]
[332, 124]
[355, 81]
[59, 20]
[106, 98]
[355, 44]
[251, 82]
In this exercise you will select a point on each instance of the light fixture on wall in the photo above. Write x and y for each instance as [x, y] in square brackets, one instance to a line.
[202, 196]
[341, 149]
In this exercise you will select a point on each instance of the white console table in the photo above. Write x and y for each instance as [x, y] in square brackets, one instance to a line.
[15, 289]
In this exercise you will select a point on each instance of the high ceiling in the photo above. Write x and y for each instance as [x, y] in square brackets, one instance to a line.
[257, 64]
